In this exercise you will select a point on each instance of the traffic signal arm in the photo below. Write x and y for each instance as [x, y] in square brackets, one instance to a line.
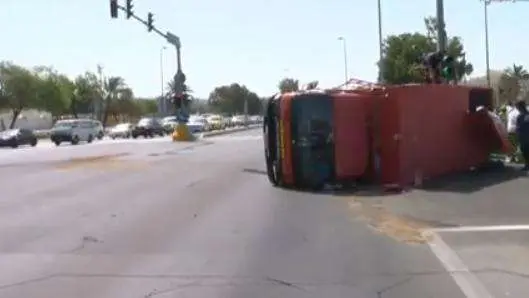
[128, 9]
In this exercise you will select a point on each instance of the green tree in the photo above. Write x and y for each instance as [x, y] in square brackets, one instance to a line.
[513, 84]
[199, 106]
[87, 96]
[18, 89]
[402, 61]
[508, 89]
[147, 106]
[230, 99]
[517, 71]
[123, 107]
[54, 91]
[288, 85]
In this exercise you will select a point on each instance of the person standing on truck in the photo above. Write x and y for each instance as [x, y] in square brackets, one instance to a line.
[522, 131]
[432, 62]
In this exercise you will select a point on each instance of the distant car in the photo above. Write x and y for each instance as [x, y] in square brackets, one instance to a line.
[216, 122]
[238, 120]
[73, 131]
[197, 124]
[169, 123]
[122, 130]
[148, 128]
[16, 137]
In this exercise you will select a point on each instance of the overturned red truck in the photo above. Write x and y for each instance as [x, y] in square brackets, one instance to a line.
[395, 136]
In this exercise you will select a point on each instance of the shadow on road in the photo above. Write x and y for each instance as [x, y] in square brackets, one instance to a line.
[465, 182]
[473, 181]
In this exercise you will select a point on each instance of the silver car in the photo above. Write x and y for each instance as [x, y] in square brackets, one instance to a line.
[122, 130]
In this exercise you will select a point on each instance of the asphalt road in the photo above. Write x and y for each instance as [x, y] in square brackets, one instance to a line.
[159, 219]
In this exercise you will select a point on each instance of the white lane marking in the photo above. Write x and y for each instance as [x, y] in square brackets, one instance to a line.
[498, 228]
[467, 282]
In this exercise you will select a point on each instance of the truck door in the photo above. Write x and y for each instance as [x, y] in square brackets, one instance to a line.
[312, 140]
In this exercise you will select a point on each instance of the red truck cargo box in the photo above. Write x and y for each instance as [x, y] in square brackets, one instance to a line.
[429, 130]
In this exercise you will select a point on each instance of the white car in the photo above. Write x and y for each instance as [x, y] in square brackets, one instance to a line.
[122, 130]
[169, 123]
[196, 124]
[74, 131]
[238, 120]
[216, 122]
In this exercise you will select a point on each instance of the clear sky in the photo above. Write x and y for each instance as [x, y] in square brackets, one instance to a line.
[253, 42]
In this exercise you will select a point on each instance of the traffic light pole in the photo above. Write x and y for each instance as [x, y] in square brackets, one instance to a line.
[441, 27]
[179, 78]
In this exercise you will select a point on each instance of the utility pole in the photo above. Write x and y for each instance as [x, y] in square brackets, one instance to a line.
[344, 44]
[162, 109]
[380, 44]
[99, 104]
[487, 51]
[486, 4]
[441, 26]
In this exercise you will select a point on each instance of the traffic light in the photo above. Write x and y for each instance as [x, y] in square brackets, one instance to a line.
[178, 100]
[114, 9]
[448, 70]
[129, 8]
[150, 21]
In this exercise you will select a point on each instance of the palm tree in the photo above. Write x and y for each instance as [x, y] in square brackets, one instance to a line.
[172, 88]
[113, 86]
[521, 76]
[518, 72]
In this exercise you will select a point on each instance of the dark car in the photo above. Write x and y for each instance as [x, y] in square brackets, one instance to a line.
[148, 127]
[16, 137]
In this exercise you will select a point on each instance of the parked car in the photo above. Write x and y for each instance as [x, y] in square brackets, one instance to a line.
[238, 120]
[148, 127]
[16, 137]
[73, 131]
[216, 122]
[169, 123]
[122, 130]
[98, 126]
[197, 124]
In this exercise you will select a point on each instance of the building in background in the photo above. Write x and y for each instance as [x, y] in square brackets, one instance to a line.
[30, 119]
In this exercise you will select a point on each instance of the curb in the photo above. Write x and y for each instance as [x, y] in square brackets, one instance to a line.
[225, 132]
[44, 134]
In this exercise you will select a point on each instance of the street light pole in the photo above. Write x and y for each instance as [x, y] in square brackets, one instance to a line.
[163, 102]
[487, 49]
[344, 57]
[486, 4]
[380, 43]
